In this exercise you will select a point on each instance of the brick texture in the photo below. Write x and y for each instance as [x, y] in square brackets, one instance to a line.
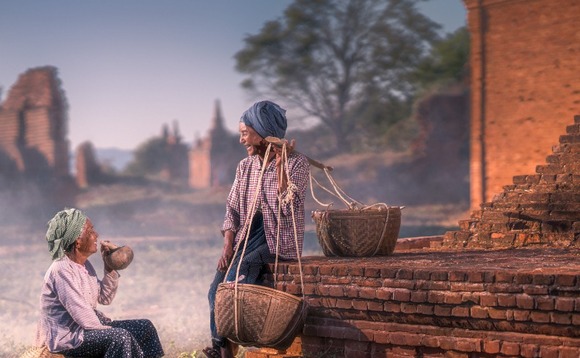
[33, 124]
[522, 301]
[524, 86]
[537, 210]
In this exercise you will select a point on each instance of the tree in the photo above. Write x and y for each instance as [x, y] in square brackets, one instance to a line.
[334, 59]
[447, 62]
[149, 158]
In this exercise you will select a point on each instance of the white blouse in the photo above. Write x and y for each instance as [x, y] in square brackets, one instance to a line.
[68, 303]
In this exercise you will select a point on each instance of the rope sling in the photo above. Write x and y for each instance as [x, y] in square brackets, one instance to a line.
[286, 312]
[360, 230]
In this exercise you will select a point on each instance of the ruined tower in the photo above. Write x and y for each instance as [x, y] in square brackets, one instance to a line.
[213, 159]
[33, 124]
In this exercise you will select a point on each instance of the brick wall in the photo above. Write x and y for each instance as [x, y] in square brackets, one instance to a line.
[525, 84]
[434, 304]
[88, 170]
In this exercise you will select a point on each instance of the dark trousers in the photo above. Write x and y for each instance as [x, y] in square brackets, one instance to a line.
[130, 338]
[253, 265]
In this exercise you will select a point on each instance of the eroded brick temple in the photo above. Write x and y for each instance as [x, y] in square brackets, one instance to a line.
[34, 149]
[214, 158]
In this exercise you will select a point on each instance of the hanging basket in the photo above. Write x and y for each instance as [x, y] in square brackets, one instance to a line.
[258, 316]
[358, 232]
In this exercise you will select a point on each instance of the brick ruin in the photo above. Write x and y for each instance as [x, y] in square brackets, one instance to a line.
[213, 159]
[88, 170]
[34, 158]
[525, 86]
[33, 124]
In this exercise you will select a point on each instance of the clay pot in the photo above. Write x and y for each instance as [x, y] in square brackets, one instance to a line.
[117, 257]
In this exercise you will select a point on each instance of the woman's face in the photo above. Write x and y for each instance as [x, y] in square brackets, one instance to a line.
[87, 242]
[251, 140]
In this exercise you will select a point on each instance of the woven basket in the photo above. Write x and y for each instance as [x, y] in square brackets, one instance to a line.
[358, 233]
[40, 352]
[265, 318]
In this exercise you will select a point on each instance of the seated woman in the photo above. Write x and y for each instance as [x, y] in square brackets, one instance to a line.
[70, 323]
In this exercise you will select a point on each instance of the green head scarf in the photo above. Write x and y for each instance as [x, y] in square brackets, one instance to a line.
[63, 229]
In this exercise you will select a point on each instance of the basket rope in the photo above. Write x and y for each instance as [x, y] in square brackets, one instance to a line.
[248, 225]
[351, 205]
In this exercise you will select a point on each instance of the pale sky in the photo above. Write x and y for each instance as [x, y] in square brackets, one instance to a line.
[129, 66]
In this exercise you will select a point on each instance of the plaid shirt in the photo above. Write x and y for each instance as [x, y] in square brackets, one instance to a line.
[68, 303]
[242, 195]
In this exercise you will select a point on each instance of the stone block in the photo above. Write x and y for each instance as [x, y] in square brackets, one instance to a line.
[564, 304]
[504, 300]
[540, 317]
[561, 318]
[479, 312]
[545, 303]
[567, 280]
[402, 295]
[529, 350]
[443, 311]
[491, 346]
[510, 348]
[419, 296]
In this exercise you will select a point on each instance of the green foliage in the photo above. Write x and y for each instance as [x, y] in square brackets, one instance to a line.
[339, 61]
[149, 158]
[447, 62]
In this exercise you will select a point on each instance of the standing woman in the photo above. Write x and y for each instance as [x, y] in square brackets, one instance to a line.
[70, 323]
[270, 233]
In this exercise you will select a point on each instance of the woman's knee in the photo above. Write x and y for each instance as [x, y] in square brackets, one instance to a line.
[120, 335]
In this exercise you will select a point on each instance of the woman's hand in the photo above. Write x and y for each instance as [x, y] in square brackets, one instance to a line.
[227, 252]
[106, 248]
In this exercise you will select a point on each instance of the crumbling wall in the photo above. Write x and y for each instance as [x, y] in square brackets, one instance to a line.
[33, 124]
[88, 170]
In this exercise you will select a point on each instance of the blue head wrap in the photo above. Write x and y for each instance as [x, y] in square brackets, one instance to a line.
[63, 230]
[266, 118]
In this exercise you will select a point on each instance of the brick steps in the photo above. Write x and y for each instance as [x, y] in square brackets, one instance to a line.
[538, 209]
